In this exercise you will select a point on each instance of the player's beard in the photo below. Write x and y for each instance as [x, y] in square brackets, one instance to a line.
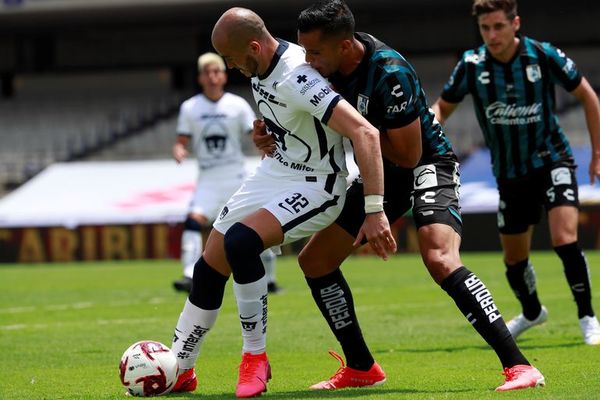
[251, 68]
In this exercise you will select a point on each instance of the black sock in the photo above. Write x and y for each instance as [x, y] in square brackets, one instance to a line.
[476, 303]
[521, 278]
[334, 298]
[576, 271]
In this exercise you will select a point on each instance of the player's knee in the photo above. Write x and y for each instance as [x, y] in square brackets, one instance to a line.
[208, 286]
[314, 264]
[564, 237]
[434, 258]
[514, 259]
[440, 262]
[191, 224]
[307, 262]
[242, 247]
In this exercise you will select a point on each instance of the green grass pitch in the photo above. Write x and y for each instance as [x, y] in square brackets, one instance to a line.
[63, 328]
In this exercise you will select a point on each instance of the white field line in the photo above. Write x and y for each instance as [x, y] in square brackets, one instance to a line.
[76, 306]
[17, 310]
[101, 322]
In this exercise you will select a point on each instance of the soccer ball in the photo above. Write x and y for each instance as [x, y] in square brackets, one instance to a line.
[148, 368]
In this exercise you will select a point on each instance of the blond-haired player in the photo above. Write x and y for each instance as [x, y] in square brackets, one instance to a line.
[213, 123]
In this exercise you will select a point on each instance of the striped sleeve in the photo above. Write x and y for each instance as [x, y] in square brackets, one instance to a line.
[563, 70]
[398, 89]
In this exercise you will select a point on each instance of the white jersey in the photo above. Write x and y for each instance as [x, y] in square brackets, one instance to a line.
[216, 128]
[296, 103]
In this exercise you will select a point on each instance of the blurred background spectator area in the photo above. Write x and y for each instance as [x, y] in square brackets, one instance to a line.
[103, 79]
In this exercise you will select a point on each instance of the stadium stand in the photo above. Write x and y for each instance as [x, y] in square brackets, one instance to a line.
[94, 80]
[131, 114]
[69, 117]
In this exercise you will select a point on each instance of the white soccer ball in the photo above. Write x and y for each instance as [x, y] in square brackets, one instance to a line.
[148, 368]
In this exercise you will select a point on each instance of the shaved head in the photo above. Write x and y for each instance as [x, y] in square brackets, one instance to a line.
[242, 39]
[236, 27]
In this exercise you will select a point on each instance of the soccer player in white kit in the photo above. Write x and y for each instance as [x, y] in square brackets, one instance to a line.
[296, 192]
[214, 123]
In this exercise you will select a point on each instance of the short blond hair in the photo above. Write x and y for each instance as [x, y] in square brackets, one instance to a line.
[210, 58]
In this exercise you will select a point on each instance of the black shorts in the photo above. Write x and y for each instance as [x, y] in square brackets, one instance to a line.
[522, 199]
[431, 191]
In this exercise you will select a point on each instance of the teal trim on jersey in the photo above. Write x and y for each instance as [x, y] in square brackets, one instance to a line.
[515, 104]
[385, 54]
[387, 91]
[455, 214]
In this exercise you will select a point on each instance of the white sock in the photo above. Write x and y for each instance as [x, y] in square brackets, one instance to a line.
[192, 327]
[191, 250]
[252, 306]
[268, 259]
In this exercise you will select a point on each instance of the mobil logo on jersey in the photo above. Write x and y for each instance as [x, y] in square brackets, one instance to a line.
[320, 95]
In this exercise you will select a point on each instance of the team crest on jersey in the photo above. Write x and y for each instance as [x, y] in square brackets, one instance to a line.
[534, 73]
[362, 104]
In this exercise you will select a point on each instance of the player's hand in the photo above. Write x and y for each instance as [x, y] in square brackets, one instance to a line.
[200, 218]
[262, 140]
[594, 169]
[376, 229]
[180, 153]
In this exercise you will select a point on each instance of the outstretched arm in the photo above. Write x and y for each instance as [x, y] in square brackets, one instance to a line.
[443, 109]
[586, 95]
[365, 140]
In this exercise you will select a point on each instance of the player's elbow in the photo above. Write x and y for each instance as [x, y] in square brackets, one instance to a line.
[442, 110]
[365, 137]
[370, 131]
[370, 134]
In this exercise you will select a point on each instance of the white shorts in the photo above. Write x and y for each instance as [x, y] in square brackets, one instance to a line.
[214, 187]
[303, 205]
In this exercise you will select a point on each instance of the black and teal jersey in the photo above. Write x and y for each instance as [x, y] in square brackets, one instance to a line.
[515, 104]
[386, 90]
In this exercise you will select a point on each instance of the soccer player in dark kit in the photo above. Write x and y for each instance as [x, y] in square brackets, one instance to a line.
[420, 171]
[512, 80]
[298, 191]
